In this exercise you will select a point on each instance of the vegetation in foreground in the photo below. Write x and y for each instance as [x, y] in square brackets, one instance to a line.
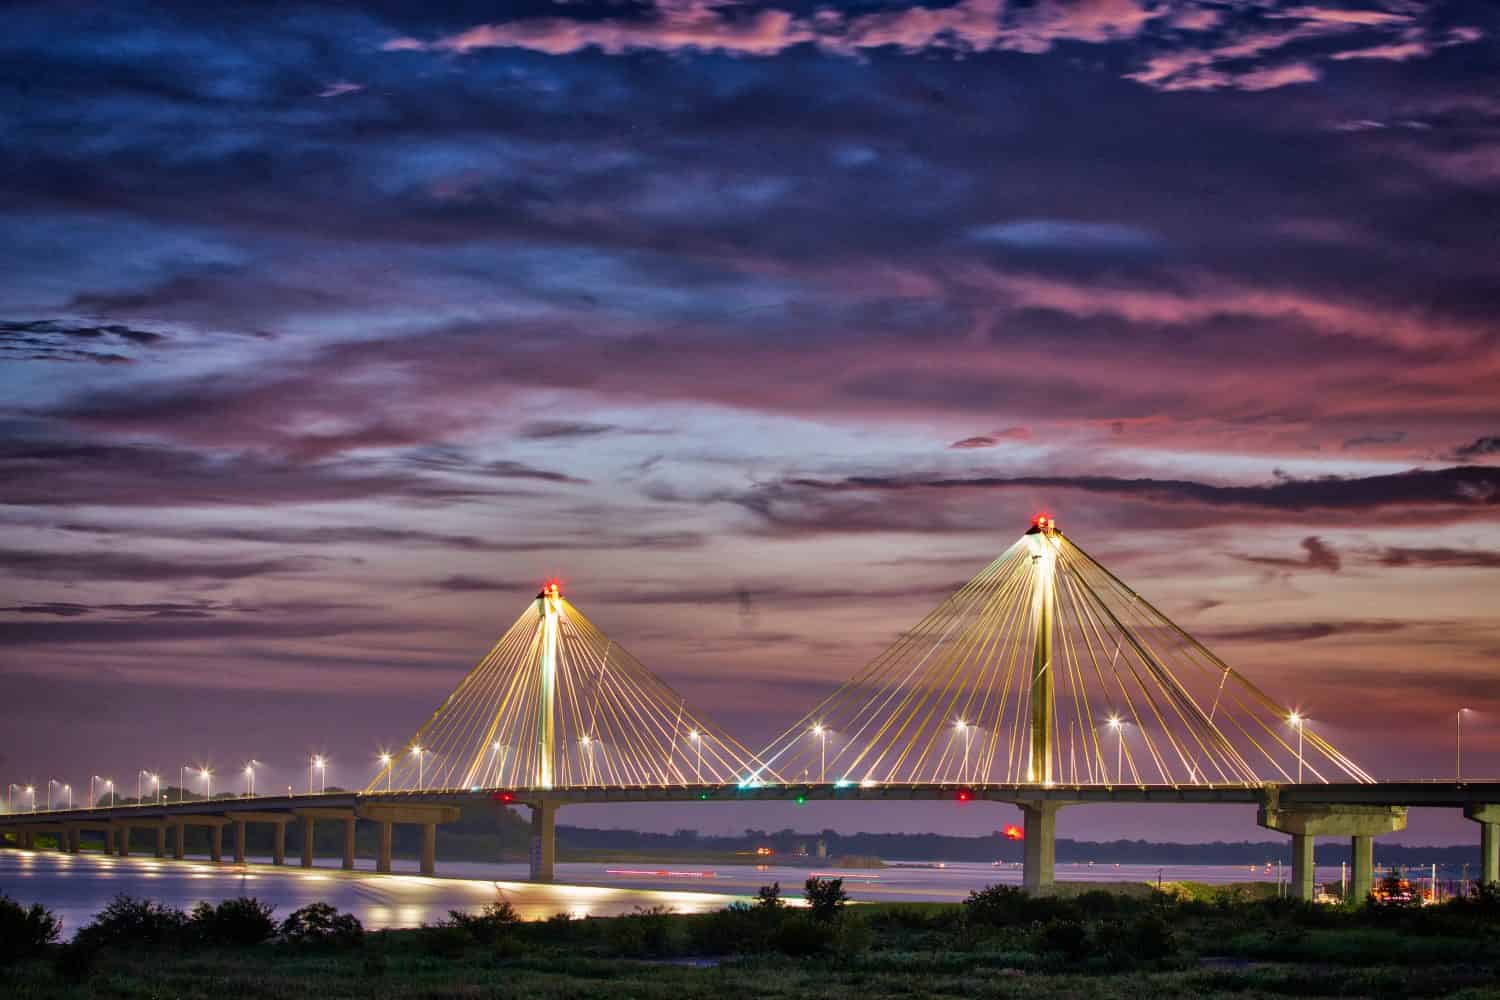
[1190, 941]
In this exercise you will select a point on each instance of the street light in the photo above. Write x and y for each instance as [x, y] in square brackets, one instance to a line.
[588, 762]
[321, 765]
[697, 739]
[208, 782]
[498, 750]
[421, 753]
[385, 762]
[1297, 720]
[963, 727]
[822, 735]
[250, 775]
[1458, 763]
[31, 790]
[109, 786]
[1119, 728]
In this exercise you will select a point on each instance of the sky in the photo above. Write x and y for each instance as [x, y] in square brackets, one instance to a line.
[328, 332]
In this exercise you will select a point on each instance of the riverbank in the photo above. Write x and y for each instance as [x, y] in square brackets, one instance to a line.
[999, 943]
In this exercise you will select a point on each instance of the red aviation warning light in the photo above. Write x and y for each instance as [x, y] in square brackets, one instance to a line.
[1013, 832]
[552, 589]
[964, 795]
[1043, 524]
[505, 797]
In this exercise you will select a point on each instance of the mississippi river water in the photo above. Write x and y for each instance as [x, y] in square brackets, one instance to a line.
[77, 886]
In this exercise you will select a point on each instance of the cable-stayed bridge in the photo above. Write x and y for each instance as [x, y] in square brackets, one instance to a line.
[1044, 681]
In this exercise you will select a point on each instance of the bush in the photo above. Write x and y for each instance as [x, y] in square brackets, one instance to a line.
[800, 935]
[444, 941]
[133, 923]
[647, 931]
[25, 930]
[1068, 938]
[769, 897]
[240, 922]
[825, 898]
[488, 924]
[996, 906]
[321, 924]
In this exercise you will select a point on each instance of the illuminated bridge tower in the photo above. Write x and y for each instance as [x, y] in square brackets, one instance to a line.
[559, 712]
[1041, 542]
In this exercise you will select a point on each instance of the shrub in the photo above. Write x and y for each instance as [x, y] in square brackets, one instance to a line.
[647, 931]
[25, 930]
[769, 897]
[489, 923]
[1069, 938]
[800, 935]
[825, 898]
[134, 923]
[243, 921]
[444, 941]
[996, 906]
[321, 924]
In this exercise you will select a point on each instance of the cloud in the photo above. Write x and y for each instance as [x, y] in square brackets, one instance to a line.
[90, 566]
[69, 340]
[1480, 448]
[1437, 557]
[874, 503]
[551, 430]
[1374, 438]
[993, 438]
[1302, 631]
[1059, 234]
[460, 583]
[339, 88]
[1320, 556]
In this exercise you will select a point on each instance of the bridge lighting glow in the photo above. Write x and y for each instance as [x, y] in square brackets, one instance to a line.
[842, 783]
[1299, 721]
[421, 753]
[250, 777]
[208, 784]
[822, 735]
[385, 762]
[321, 765]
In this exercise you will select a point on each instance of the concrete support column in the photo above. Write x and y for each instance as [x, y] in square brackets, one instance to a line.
[27, 841]
[124, 841]
[1362, 850]
[216, 843]
[1039, 846]
[109, 841]
[383, 858]
[349, 844]
[73, 839]
[1302, 867]
[278, 845]
[1488, 818]
[179, 841]
[307, 841]
[429, 848]
[239, 841]
[543, 841]
[161, 841]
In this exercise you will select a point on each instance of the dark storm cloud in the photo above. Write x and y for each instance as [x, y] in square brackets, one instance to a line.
[460, 583]
[1479, 448]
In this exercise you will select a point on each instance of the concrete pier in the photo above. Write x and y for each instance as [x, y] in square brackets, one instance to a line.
[543, 840]
[1039, 846]
[1360, 823]
[1488, 818]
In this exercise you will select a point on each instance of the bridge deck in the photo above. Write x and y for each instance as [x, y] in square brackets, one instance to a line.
[1441, 794]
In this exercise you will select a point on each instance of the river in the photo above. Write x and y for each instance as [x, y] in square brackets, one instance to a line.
[76, 886]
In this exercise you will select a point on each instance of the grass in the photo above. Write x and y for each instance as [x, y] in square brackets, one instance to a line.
[1013, 947]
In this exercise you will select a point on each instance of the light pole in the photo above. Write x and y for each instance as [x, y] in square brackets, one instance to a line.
[31, 790]
[68, 789]
[385, 762]
[1119, 728]
[182, 782]
[50, 783]
[963, 727]
[250, 775]
[10, 797]
[822, 735]
[109, 786]
[156, 792]
[697, 739]
[93, 796]
[208, 782]
[1458, 762]
[1298, 721]
[421, 753]
[588, 758]
[497, 752]
[319, 764]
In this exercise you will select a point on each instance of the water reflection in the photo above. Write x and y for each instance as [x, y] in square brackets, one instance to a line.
[78, 886]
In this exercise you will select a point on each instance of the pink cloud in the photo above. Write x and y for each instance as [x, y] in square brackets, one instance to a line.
[1277, 76]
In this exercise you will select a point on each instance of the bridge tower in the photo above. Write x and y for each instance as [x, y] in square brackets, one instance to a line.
[547, 607]
[1041, 541]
